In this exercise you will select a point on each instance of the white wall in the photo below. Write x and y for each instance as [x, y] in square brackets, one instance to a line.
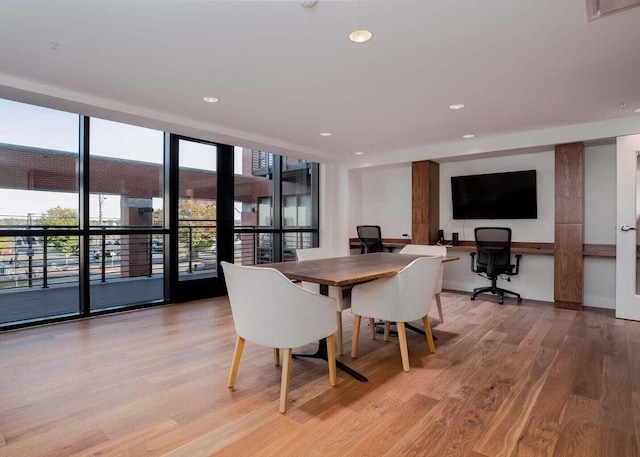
[538, 230]
[379, 197]
[383, 196]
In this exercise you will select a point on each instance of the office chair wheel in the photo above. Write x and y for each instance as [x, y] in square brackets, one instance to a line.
[519, 299]
[473, 297]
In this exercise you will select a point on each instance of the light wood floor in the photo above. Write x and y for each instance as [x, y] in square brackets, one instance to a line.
[512, 380]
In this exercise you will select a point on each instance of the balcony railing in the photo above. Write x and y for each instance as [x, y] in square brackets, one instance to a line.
[42, 261]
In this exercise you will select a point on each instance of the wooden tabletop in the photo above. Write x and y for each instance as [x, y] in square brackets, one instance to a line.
[342, 271]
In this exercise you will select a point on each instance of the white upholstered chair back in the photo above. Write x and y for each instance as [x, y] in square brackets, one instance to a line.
[400, 298]
[425, 249]
[270, 310]
[403, 297]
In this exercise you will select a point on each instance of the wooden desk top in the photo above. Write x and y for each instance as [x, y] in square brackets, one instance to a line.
[342, 271]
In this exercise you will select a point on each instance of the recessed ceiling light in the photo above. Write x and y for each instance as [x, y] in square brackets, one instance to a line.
[325, 134]
[358, 153]
[211, 99]
[360, 36]
[468, 135]
[456, 106]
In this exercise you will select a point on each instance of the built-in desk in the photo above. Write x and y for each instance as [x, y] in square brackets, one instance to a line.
[588, 250]
[387, 243]
[532, 248]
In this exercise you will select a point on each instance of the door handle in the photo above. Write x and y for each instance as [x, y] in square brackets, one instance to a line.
[626, 228]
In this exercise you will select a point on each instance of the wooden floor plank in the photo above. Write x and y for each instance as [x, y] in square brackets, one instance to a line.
[502, 434]
[579, 430]
[518, 379]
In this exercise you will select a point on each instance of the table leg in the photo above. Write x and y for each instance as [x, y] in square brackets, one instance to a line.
[321, 353]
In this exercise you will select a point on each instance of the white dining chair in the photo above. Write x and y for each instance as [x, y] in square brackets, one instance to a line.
[269, 310]
[401, 298]
[342, 295]
[424, 249]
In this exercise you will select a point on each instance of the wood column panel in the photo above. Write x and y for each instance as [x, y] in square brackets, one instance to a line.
[568, 269]
[569, 225]
[425, 202]
[569, 183]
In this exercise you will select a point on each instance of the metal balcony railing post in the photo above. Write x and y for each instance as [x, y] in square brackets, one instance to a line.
[103, 256]
[30, 266]
[190, 249]
[45, 267]
[150, 246]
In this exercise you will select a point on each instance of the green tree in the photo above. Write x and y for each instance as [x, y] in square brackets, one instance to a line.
[62, 217]
[200, 216]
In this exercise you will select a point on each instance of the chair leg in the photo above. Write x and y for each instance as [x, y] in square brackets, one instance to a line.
[331, 359]
[276, 357]
[427, 332]
[372, 328]
[284, 383]
[237, 354]
[404, 350]
[355, 335]
[387, 329]
[340, 337]
[439, 305]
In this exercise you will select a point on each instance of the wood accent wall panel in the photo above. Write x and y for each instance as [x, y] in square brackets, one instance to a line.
[569, 184]
[425, 202]
[568, 268]
[569, 225]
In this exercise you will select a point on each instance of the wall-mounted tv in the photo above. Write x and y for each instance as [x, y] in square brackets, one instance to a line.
[510, 195]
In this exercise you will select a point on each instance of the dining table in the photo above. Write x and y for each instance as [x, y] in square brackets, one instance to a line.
[345, 271]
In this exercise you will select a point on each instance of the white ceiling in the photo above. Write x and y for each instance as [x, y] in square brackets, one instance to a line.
[285, 73]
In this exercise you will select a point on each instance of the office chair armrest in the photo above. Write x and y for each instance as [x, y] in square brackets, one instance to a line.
[473, 262]
[517, 263]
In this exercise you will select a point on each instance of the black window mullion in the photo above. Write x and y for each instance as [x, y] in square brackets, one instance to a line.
[170, 213]
[224, 205]
[83, 216]
[277, 208]
[315, 203]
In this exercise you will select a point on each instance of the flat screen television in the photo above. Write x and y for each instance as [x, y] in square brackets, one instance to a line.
[510, 195]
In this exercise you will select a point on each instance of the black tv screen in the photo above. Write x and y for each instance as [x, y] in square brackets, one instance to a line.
[510, 195]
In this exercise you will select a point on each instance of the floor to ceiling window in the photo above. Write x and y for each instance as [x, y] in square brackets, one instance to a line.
[197, 209]
[97, 216]
[39, 202]
[125, 214]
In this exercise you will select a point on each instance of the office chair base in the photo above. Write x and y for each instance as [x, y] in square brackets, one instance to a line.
[496, 291]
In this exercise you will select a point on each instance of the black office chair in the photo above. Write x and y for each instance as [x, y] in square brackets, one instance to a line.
[493, 248]
[370, 237]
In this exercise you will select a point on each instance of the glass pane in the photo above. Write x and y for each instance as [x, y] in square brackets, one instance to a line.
[197, 210]
[127, 187]
[127, 191]
[38, 193]
[125, 270]
[253, 188]
[296, 193]
[253, 203]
